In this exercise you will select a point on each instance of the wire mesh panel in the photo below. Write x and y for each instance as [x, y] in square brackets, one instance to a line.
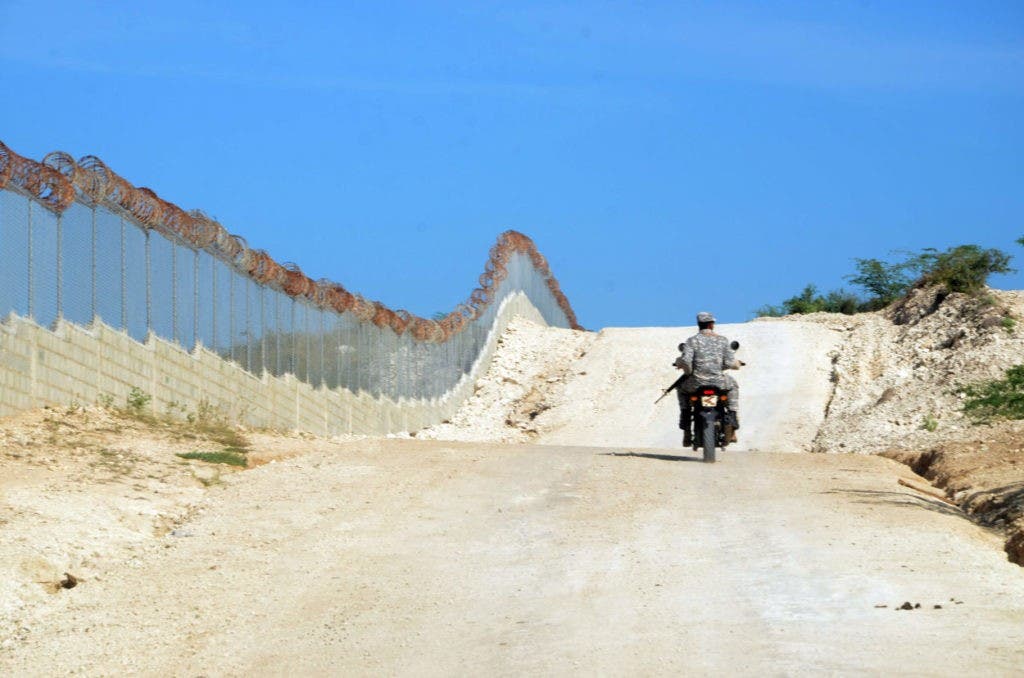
[44, 255]
[300, 349]
[239, 327]
[389, 361]
[206, 294]
[271, 331]
[258, 312]
[286, 312]
[346, 341]
[136, 281]
[315, 331]
[77, 264]
[223, 275]
[253, 326]
[330, 349]
[161, 280]
[185, 296]
[109, 268]
[14, 253]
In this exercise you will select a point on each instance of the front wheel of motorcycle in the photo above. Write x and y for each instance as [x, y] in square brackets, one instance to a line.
[709, 439]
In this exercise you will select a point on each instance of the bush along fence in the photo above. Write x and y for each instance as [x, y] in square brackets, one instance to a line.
[82, 246]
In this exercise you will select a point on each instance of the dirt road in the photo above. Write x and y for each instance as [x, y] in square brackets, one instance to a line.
[431, 558]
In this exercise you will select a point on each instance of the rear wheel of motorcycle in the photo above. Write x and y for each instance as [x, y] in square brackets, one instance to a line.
[709, 439]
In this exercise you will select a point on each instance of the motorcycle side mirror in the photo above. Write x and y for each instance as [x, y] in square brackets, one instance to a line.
[735, 345]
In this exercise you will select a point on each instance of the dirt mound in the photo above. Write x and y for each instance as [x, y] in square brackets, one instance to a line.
[527, 374]
[899, 373]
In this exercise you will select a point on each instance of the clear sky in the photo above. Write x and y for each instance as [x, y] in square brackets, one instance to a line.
[666, 157]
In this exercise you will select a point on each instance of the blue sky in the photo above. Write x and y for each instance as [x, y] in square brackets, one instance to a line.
[665, 156]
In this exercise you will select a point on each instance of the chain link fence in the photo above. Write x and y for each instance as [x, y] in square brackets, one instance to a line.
[92, 260]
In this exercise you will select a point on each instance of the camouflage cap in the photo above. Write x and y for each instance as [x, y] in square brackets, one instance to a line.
[705, 317]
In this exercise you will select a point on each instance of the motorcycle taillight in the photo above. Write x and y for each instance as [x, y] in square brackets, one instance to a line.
[709, 392]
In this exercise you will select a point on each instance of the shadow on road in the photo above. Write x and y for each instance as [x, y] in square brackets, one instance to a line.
[902, 499]
[647, 455]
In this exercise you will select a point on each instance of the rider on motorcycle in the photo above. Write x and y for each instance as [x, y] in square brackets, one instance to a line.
[705, 356]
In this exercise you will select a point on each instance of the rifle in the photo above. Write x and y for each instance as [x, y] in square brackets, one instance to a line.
[674, 386]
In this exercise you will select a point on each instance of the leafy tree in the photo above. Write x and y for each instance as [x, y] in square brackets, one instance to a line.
[885, 282]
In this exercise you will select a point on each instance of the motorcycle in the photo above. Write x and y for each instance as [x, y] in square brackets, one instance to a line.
[712, 422]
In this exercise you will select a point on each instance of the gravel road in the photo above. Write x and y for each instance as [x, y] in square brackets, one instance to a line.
[430, 558]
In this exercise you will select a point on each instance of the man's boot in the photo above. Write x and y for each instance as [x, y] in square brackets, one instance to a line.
[685, 418]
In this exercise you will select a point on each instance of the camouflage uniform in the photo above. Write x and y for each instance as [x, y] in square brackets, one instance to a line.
[705, 356]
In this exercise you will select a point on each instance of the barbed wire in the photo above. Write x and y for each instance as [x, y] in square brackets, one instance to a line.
[59, 180]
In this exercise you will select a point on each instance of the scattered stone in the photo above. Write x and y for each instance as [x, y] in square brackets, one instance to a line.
[70, 581]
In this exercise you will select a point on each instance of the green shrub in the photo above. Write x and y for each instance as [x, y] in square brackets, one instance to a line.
[930, 423]
[998, 399]
[138, 400]
[809, 301]
[1009, 323]
[964, 268]
[223, 457]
